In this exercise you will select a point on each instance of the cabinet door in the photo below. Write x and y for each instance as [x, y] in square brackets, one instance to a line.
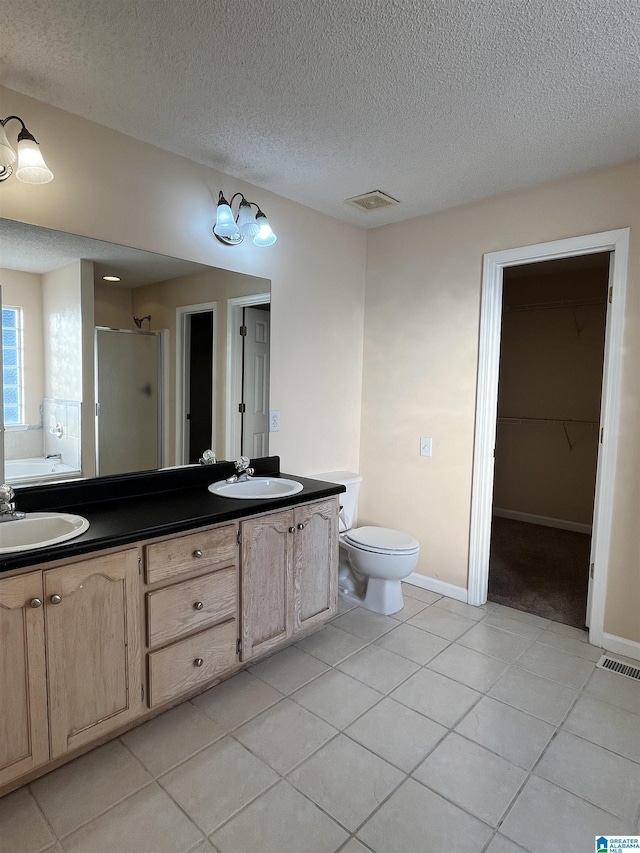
[93, 648]
[24, 736]
[315, 563]
[267, 583]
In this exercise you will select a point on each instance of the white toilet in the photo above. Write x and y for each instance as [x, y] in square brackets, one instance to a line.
[373, 560]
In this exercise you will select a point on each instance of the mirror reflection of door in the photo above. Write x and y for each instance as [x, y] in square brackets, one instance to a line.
[199, 384]
[255, 381]
[127, 401]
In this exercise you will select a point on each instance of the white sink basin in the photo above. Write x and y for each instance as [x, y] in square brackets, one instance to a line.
[256, 488]
[39, 530]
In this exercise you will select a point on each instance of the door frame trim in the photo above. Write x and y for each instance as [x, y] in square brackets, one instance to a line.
[233, 383]
[616, 242]
[182, 312]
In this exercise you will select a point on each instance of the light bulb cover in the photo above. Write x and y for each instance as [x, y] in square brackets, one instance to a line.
[31, 168]
[7, 155]
[247, 224]
[226, 225]
[265, 235]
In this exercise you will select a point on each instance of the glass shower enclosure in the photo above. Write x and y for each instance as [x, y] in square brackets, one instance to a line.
[128, 400]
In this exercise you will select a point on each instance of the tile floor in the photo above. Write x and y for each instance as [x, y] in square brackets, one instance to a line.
[443, 728]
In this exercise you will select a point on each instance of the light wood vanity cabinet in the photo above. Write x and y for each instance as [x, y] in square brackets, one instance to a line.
[192, 623]
[93, 641]
[70, 658]
[289, 574]
[74, 646]
[24, 729]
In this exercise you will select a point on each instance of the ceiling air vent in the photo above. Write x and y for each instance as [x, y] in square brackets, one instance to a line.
[374, 200]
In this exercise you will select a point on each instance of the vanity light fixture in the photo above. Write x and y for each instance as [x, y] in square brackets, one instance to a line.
[231, 228]
[31, 167]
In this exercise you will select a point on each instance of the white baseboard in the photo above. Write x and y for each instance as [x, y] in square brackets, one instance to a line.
[439, 587]
[621, 646]
[529, 518]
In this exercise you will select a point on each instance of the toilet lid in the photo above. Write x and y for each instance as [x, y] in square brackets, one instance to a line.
[382, 539]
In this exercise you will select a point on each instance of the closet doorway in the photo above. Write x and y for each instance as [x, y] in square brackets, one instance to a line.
[494, 266]
[546, 452]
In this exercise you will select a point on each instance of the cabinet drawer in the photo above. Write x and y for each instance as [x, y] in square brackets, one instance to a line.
[184, 554]
[190, 605]
[175, 670]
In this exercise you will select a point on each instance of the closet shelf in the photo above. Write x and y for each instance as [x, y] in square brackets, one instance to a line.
[552, 422]
[564, 303]
[548, 421]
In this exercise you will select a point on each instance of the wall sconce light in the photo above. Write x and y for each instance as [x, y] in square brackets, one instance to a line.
[231, 229]
[31, 167]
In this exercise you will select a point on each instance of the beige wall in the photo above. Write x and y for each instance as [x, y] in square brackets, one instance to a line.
[161, 301]
[112, 187]
[420, 367]
[25, 290]
[62, 312]
[113, 307]
[550, 369]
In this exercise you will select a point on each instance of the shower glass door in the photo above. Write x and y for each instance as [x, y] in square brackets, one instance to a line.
[127, 401]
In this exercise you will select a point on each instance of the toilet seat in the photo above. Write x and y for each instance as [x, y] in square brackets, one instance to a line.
[382, 540]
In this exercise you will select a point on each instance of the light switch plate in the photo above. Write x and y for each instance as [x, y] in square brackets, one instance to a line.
[274, 421]
[425, 446]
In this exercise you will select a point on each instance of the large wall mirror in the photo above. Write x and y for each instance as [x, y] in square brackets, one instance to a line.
[104, 376]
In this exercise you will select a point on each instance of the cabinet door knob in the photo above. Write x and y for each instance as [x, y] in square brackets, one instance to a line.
[198, 605]
[36, 602]
[292, 530]
[198, 662]
[301, 527]
[197, 553]
[55, 599]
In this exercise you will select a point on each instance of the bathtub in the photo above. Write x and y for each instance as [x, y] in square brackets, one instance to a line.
[35, 469]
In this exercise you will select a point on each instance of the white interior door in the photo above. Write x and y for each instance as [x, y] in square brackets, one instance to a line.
[255, 431]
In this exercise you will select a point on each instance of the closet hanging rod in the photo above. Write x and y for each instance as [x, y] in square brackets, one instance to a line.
[549, 421]
[565, 303]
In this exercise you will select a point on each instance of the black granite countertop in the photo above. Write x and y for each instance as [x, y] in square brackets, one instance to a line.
[134, 507]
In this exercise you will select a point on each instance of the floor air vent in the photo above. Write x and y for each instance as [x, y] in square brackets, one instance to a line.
[622, 668]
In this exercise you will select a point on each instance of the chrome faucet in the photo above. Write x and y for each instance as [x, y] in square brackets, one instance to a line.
[8, 511]
[208, 458]
[243, 471]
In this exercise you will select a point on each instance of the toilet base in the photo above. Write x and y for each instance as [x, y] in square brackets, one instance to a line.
[380, 596]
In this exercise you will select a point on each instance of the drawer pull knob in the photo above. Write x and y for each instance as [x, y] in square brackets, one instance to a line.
[36, 602]
[198, 662]
[197, 553]
[55, 599]
[198, 605]
[301, 527]
[292, 530]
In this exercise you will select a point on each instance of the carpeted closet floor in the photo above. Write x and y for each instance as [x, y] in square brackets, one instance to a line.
[541, 570]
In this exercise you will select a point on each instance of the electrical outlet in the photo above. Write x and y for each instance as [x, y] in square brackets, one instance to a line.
[274, 421]
[425, 446]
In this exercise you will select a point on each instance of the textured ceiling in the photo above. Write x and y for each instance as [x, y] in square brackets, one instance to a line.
[435, 102]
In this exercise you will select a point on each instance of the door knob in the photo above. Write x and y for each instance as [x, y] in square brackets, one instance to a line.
[36, 602]
[198, 662]
[198, 605]
[197, 554]
[301, 527]
[292, 530]
[55, 599]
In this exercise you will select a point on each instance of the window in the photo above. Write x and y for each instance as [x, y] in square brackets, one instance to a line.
[12, 374]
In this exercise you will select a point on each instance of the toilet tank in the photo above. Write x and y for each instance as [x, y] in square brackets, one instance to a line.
[348, 500]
